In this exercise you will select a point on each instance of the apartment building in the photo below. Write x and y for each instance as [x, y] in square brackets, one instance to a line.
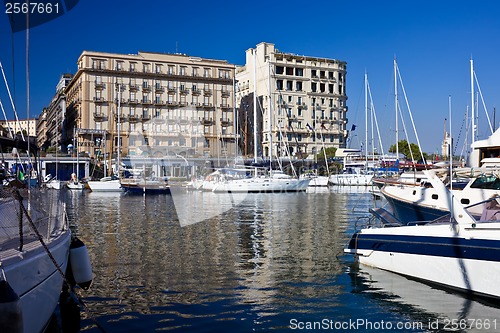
[302, 100]
[151, 104]
[51, 127]
[23, 125]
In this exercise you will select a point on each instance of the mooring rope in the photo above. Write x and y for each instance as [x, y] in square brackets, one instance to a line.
[19, 197]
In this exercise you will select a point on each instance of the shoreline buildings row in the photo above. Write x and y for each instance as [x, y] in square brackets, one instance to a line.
[156, 104]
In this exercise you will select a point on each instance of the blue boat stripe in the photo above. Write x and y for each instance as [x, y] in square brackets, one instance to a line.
[452, 247]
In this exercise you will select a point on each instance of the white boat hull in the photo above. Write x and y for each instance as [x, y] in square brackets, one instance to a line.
[263, 185]
[319, 181]
[461, 257]
[54, 184]
[351, 179]
[105, 186]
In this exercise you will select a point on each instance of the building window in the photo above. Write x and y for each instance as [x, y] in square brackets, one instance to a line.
[157, 69]
[330, 75]
[313, 73]
[322, 87]
[299, 71]
[183, 70]
[313, 86]
[289, 71]
[206, 72]
[132, 67]
[279, 70]
[146, 68]
[171, 70]
[132, 111]
[298, 86]
[279, 84]
[289, 85]
[195, 71]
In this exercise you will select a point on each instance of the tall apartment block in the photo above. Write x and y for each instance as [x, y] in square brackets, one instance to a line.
[152, 104]
[301, 101]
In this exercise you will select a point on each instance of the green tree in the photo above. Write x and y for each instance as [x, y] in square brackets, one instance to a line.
[330, 153]
[405, 149]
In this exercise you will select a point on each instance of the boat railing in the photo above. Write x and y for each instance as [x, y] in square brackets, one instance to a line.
[24, 219]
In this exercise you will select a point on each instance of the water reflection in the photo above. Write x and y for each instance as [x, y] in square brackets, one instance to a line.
[267, 259]
[437, 310]
[262, 262]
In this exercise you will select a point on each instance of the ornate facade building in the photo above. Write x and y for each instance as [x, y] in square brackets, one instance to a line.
[151, 104]
[301, 101]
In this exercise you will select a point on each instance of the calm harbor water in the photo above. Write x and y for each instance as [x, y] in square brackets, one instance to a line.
[270, 262]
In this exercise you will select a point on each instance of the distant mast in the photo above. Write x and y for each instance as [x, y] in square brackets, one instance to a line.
[473, 114]
[255, 105]
[396, 106]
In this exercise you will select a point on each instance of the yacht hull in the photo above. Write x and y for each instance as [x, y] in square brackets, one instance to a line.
[466, 257]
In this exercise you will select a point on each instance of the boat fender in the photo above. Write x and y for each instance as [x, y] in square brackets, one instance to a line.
[11, 316]
[80, 263]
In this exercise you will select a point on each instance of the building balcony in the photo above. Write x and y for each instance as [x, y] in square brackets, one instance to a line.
[99, 116]
[183, 104]
[159, 102]
[146, 101]
[207, 121]
[145, 117]
[146, 88]
[196, 93]
[225, 106]
[133, 101]
[225, 122]
[159, 89]
[134, 87]
[122, 119]
[184, 91]
[207, 92]
[99, 100]
[172, 104]
[171, 90]
[100, 85]
[133, 118]
[207, 105]
[225, 93]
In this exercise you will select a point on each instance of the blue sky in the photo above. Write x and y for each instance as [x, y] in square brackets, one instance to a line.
[433, 42]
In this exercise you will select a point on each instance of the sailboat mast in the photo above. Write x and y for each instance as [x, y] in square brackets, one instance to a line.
[118, 125]
[396, 106]
[473, 115]
[366, 120]
[270, 117]
[255, 105]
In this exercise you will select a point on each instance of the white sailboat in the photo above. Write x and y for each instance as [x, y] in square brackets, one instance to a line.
[355, 171]
[110, 183]
[257, 181]
[74, 183]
